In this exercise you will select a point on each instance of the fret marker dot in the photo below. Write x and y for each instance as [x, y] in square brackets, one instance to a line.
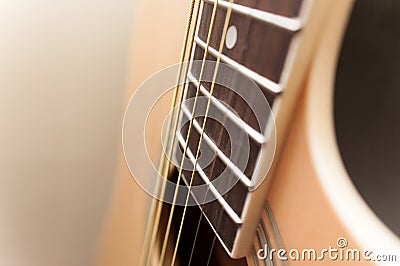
[231, 37]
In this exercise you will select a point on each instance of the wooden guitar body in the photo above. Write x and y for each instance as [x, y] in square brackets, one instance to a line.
[312, 195]
[311, 201]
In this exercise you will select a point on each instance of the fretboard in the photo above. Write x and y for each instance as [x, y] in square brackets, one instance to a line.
[265, 32]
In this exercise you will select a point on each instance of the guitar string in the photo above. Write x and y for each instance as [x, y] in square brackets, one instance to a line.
[165, 242]
[204, 199]
[156, 205]
[216, 226]
[221, 46]
[169, 223]
[201, 213]
[167, 168]
[211, 250]
[219, 218]
[199, 223]
[201, 217]
[195, 238]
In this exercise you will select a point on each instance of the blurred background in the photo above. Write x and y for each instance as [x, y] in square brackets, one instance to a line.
[67, 71]
[64, 67]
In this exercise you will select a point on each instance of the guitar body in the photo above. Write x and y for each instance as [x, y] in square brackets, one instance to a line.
[312, 195]
[311, 201]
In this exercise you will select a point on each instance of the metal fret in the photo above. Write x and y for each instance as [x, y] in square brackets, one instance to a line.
[254, 134]
[238, 173]
[227, 208]
[263, 81]
[290, 24]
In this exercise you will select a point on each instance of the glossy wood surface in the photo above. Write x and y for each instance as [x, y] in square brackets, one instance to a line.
[154, 47]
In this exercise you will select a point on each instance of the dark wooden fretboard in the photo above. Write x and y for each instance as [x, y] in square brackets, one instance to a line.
[265, 30]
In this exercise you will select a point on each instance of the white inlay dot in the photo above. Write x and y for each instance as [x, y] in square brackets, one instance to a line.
[231, 37]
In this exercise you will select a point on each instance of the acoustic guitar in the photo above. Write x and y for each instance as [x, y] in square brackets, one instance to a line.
[314, 180]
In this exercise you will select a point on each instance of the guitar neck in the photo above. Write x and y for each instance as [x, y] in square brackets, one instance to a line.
[257, 42]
